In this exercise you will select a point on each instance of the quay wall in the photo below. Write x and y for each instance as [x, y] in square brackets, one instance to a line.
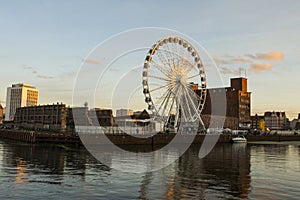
[124, 139]
[18, 135]
[272, 138]
[35, 137]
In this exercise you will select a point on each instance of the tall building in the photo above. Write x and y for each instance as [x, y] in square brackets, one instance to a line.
[19, 95]
[237, 101]
[243, 99]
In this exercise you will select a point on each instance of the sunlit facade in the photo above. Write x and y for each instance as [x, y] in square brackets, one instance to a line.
[237, 102]
[19, 95]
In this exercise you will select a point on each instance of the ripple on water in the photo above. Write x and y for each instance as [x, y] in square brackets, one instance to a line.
[252, 171]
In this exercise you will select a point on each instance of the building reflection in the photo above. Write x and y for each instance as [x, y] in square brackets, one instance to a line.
[49, 159]
[225, 170]
[45, 159]
[22, 174]
[145, 185]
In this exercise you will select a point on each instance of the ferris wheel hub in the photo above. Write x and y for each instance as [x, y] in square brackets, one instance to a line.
[180, 80]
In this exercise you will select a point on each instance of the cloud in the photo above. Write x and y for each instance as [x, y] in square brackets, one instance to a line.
[229, 60]
[226, 70]
[27, 67]
[242, 60]
[90, 61]
[260, 67]
[36, 73]
[284, 67]
[221, 61]
[44, 77]
[267, 56]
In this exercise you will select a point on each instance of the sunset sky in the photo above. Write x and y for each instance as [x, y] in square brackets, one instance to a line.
[44, 42]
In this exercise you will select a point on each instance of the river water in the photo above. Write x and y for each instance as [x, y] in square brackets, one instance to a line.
[238, 171]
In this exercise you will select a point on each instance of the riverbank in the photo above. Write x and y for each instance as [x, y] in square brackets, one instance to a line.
[39, 137]
[124, 139]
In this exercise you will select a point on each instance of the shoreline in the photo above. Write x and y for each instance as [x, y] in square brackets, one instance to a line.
[125, 139]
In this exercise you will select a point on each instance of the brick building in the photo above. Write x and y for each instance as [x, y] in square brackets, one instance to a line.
[233, 103]
[102, 117]
[256, 121]
[275, 120]
[59, 117]
[49, 117]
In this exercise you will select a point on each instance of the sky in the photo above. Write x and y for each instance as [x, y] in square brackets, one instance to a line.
[43, 43]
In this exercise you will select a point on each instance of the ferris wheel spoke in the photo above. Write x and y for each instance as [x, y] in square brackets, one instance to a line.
[160, 87]
[182, 112]
[180, 103]
[186, 103]
[190, 65]
[157, 77]
[171, 55]
[177, 113]
[160, 68]
[174, 54]
[164, 97]
[165, 105]
[177, 52]
[183, 60]
[167, 57]
[194, 93]
[167, 112]
[193, 100]
[162, 58]
[171, 107]
[192, 76]
[180, 55]
[177, 59]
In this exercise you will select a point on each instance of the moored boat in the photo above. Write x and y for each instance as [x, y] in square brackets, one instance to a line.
[238, 139]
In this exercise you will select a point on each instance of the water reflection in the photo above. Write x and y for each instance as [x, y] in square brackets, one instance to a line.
[22, 175]
[226, 169]
[275, 170]
[235, 171]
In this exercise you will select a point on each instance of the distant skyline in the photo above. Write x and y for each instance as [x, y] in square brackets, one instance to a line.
[43, 42]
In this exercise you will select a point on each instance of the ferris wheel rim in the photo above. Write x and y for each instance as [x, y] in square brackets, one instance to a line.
[198, 63]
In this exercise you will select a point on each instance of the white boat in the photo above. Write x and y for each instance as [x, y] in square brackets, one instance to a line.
[238, 139]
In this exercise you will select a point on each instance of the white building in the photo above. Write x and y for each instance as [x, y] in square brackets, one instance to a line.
[19, 95]
[124, 112]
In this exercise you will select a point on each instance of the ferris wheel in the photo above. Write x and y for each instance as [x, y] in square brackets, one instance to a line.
[174, 81]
